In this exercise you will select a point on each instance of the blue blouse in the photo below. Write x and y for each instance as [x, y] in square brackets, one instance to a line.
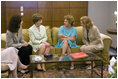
[69, 33]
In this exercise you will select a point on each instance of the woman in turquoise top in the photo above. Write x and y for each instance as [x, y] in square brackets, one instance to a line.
[67, 36]
[68, 32]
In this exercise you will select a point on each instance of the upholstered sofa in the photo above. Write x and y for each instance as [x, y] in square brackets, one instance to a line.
[52, 34]
[5, 71]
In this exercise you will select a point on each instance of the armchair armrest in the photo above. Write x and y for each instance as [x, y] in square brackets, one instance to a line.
[3, 40]
[105, 53]
[5, 71]
[107, 43]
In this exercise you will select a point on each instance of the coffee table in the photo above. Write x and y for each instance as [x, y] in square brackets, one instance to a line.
[55, 59]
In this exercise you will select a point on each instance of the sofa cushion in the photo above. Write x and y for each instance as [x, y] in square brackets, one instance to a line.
[48, 30]
[3, 40]
[25, 35]
[55, 35]
[4, 67]
[79, 35]
[5, 74]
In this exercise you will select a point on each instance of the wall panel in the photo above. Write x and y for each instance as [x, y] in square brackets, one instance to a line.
[27, 18]
[53, 12]
[3, 16]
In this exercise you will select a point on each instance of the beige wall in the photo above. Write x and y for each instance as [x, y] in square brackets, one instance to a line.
[102, 14]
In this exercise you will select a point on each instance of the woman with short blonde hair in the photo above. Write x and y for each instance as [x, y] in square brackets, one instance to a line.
[86, 21]
[91, 36]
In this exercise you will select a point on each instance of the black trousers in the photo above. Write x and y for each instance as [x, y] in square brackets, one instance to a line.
[24, 53]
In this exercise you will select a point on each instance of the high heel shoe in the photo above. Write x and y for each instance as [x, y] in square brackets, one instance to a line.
[89, 66]
[72, 67]
[39, 68]
[44, 70]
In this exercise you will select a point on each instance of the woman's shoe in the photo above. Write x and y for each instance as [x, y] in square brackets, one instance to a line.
[39, 69]
[72, 67]
[61, 58]
[44, 70]
[89, 66]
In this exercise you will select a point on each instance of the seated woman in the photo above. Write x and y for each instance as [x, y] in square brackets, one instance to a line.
[91, 37]
[9, 57]
[67, 36]
[38, 38]
[15, 39]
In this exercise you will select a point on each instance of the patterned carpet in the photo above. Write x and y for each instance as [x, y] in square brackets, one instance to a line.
[78, 72]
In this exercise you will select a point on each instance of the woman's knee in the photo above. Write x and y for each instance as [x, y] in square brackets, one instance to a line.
[65, 42]
[27, 49]
[11, 48]
[43, 46]
[30, 47]
[82, 48]
[47, 45]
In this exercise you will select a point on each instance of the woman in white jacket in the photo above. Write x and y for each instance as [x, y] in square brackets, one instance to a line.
[38, 38]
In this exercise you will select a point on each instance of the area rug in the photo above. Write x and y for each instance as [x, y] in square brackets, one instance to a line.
[65, 73]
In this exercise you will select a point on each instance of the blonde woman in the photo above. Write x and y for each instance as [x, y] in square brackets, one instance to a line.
[67, 36]
[38, 38]
[91, 36]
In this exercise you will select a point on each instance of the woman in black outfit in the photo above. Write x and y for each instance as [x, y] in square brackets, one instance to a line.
[15, 39]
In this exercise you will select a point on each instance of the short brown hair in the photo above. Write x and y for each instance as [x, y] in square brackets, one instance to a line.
[36, 17]
[70, 19]
[86, 21]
